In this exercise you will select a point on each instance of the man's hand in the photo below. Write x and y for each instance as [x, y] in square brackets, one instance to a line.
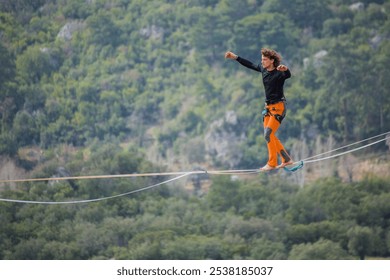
[231, 55]
[282, 68]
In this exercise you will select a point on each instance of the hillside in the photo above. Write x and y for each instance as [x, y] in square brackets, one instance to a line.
[153, 75]
[131, 86]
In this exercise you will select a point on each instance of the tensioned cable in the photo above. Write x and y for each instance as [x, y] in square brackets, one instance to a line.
[215, 172]
[96, 199]
[347, 146]
[181, 175]
[343, 153]
[99, 177]
[233, 172]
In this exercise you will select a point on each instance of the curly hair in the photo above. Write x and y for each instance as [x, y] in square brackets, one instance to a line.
[271, 54]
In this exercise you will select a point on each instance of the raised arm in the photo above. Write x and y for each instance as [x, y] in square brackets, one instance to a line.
[243, 61]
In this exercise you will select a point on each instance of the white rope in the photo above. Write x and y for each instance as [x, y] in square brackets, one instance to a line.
[215, 172]
[181, 175]
[98, 177]
[347, 146]
[96, 199]
[234, 172]
[343, 153]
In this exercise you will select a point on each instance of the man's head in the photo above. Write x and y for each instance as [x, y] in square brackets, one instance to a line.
[269, 57]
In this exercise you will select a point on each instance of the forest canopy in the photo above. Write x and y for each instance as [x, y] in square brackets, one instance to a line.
[131, 86]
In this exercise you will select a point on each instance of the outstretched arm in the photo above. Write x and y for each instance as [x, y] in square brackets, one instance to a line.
[243, 61]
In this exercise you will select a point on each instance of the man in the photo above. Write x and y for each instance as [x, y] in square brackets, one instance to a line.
[274, 74]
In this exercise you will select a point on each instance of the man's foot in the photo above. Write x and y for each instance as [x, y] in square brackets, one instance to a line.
[283, 164]
[267, 168]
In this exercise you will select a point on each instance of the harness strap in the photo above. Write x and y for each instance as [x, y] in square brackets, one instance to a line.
[267, 112]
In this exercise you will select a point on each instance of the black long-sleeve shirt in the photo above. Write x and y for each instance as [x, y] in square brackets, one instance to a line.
[273, 81]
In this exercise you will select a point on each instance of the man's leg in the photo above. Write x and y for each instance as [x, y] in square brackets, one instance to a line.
[273, 143]
[275, 147]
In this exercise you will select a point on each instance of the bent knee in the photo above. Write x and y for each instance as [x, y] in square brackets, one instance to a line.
[267, 134]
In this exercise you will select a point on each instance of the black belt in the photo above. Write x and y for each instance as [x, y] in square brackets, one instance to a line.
[270, 102]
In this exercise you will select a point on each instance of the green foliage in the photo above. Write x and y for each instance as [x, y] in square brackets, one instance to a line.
[265, 28]
[328, 200]
[35, 63]
[25, 129]
[98, 87]
[7, 72]
[103, 29]
[223, 194]
[311, 233]
[320, 250]
[360, 241]
[305, 14]
[118, 69]
[8, 146]
[265, 249]
[174, 225]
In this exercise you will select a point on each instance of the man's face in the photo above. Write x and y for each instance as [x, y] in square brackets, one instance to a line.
[266, 62]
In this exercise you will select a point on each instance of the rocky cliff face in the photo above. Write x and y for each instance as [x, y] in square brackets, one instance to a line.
[223, 140]
[9, 170]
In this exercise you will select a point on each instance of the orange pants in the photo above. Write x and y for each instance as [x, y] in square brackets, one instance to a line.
[272, 120]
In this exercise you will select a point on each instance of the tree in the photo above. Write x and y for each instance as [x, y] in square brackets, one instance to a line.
[388, 242]
[305, 14]
[147, 245]
[8, 145]
[264, 30]
[10, 100]
[311, 233]
[360, 241]
[265, 249]
[27, 249]
[25, 129]
[7, 70]
[223, 193]
[55, 250]
[320, 250]
[325, 199]
[35, 62]
[77, 10]
[192, 247]
[104, 30]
